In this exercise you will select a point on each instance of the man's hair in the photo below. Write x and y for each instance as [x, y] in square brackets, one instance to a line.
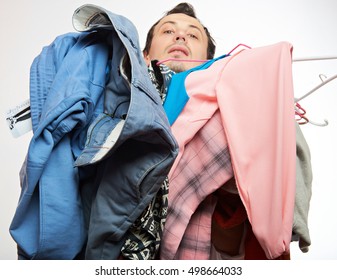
[187, 9]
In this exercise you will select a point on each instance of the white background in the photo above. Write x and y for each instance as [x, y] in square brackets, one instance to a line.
[310, 25]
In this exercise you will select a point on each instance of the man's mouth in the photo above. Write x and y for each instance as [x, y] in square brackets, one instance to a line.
[178, 51]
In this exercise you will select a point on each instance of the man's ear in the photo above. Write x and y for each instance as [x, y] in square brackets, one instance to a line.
[146, 58]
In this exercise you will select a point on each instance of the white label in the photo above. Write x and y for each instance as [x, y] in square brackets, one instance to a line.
[19, 120]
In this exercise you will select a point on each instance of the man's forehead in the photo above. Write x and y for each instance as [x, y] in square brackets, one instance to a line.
[181, 18]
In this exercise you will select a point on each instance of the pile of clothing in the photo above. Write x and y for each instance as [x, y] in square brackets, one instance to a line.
[134, 162]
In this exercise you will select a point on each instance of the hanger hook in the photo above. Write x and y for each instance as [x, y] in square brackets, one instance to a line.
[320, 124]
[302, 119]
[322, 75]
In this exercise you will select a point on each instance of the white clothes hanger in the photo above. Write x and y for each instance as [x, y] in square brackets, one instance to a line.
[314, 58]
[323, 82]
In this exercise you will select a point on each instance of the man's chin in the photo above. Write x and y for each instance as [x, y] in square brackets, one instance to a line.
[180, 66]
[177, 66]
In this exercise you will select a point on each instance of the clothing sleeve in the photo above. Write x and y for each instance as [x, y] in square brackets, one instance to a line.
[48, 220]
[255, 96]
[43, 71]
[303, 191]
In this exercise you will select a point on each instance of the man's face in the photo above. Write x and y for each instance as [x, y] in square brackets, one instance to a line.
[181, 37]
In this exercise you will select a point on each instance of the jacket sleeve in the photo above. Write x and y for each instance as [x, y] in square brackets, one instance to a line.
[43, 71]
[67, 79]
[255, 96]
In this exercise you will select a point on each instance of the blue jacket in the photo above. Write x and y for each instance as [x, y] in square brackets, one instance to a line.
[93, 130]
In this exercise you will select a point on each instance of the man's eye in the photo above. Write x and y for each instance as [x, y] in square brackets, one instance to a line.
[192, 36]
[168, 31]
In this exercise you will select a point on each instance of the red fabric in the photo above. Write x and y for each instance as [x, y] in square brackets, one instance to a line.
[228, 215]
[253, 249]
[229, 211]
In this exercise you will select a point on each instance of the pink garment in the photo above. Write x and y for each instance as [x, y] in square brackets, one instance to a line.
[204, 166]
[242, 109]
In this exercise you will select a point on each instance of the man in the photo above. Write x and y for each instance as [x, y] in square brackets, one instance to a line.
[179, 35]
[180, 41]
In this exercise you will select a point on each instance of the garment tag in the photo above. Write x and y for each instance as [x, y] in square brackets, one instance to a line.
[19, 119]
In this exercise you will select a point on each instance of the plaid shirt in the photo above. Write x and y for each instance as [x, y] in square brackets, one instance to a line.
[204, 166]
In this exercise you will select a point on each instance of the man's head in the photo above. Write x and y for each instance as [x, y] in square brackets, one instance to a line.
[179, 34]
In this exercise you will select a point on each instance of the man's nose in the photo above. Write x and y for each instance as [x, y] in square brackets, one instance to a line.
[180, 37]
